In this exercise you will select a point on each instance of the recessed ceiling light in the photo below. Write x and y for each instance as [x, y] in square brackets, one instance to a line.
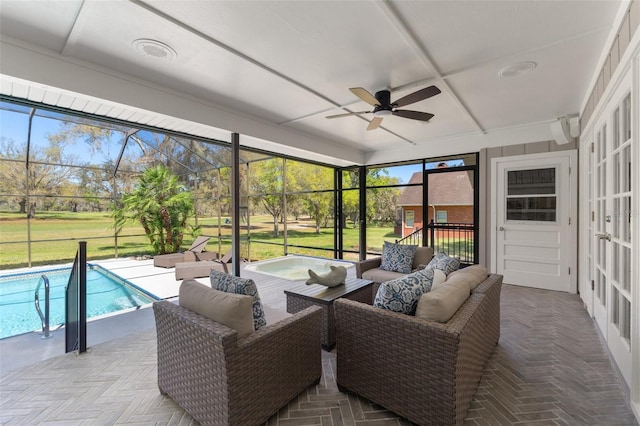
[515, 70]
[155, 48]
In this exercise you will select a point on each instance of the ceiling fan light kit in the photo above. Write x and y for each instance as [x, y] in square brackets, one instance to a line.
[383, 107]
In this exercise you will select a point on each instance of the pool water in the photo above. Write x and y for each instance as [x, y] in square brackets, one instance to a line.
[106, 293]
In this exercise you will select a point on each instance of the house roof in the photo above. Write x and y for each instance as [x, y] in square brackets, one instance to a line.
[452, 188]
[272, 71]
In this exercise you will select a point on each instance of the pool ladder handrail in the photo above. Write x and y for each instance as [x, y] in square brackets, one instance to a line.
[43, 318]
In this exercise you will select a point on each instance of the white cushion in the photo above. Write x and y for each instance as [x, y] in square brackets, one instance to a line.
[441, 303]
[233, 310]
[422, 256]
[439, 277]
[244, 286]
[473, 274]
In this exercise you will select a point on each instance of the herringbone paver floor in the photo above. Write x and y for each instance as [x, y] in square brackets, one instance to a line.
[549, 368]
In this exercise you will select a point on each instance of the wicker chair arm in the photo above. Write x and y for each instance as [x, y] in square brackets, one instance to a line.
[307, 319]
[365, 265]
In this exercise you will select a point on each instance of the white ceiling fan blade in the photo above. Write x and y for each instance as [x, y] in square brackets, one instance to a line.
[375, 123]
[365, 96]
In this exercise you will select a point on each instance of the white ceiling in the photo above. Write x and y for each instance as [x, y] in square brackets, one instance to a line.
[274, 69]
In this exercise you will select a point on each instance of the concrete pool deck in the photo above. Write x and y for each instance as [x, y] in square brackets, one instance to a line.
[29, 348]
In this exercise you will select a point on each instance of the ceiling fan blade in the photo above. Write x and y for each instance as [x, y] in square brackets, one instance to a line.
[414, 115]
[365, 95]
[421, 94]
[375, 123]
[347, 114]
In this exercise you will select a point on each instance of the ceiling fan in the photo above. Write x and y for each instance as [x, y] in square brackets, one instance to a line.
[383, 107]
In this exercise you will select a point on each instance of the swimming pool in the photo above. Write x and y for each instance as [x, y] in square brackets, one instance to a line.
[106, 293]
[295, 268]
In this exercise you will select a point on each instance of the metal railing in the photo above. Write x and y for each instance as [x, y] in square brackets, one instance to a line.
[44, 318]
[455, 239]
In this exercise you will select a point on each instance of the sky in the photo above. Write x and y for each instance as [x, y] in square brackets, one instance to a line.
[14, 126]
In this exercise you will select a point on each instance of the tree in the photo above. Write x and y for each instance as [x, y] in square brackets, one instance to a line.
[316, 180]
[162, 205]
[350, 197]
[266, 183]
[44, 175]
[381, 202]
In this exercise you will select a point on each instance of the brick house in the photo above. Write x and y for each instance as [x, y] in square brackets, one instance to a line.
[450, 200]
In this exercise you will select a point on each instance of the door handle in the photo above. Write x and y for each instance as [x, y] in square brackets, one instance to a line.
[604, 236]
[501, 228]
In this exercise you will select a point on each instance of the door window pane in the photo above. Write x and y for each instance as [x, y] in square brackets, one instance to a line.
[531, 195]
[532, 182]
[532, 208]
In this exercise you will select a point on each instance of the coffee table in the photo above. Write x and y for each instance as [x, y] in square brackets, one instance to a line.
[302, 296]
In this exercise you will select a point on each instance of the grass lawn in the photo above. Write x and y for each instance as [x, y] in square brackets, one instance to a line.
[55, 237]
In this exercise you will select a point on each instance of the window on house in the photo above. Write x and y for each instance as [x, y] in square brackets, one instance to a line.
[441, 216]
[409, 218]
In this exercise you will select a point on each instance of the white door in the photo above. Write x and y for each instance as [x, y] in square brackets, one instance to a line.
[534, 224]
[611, 239]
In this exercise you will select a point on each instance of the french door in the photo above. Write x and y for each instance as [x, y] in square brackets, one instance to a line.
[611, 208]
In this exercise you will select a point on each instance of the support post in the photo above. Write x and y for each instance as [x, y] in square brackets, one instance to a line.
[82, 330]
[362, 183]
[235, 203]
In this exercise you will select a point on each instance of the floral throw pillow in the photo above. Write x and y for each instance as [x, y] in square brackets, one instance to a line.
[402, 294]
[444, 263]
[230, 284]
[397, 257]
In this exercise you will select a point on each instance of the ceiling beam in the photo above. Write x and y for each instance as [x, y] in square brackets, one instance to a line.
[394, 18]
[232, 51]
[253, 61]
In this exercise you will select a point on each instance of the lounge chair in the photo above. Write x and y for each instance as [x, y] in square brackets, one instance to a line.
[226, 260]
[200, 269]
[193, 254]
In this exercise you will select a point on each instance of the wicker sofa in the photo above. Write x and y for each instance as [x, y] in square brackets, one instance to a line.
[222, 378]
[425, 371]
[369, 269]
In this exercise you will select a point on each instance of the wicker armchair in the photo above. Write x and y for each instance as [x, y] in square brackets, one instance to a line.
[425, 371]
[222, 379]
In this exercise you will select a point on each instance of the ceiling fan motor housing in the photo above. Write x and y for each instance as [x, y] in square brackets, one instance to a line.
[384, 99]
